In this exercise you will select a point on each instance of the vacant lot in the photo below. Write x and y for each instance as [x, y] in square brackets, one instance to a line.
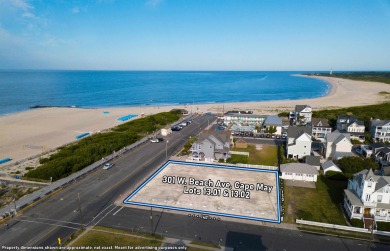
[261, 154]
[321, 204]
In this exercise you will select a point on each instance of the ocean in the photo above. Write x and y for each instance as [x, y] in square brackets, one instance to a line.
[20, 90]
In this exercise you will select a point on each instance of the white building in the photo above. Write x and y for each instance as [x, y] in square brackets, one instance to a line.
[299, 171]
[380, 130]
[320, 128]
[368, 196]
[241, 118]
[330, 166]
[298, 142]
[273, 121]
[338, 145]
[301, 115]
[351, 125]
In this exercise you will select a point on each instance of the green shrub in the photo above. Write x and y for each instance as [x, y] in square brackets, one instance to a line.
[357, 223]
[383, 226]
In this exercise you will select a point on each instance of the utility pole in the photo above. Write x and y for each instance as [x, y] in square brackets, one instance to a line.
[81, 215]
[151, 221]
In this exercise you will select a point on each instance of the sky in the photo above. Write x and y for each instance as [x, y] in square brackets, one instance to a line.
[278, 35]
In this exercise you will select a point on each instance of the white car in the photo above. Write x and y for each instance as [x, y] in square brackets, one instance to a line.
[156, 140]
[107, 166]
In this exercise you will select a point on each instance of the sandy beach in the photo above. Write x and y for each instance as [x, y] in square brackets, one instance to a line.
[25, 135]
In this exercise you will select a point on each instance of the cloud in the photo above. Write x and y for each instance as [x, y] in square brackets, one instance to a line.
[154, 3]
[20, 4]
[75, 10]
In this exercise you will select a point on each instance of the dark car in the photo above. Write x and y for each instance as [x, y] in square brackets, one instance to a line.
[176, 128]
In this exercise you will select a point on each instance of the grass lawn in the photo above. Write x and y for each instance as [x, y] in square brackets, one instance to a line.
[95, 238]
[267, 156]
[321, 204]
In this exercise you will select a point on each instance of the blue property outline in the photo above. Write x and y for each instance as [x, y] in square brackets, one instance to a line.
[126, 201]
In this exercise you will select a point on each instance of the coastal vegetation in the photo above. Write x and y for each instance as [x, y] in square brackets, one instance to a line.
[364, 113]
[383, 77]
[76, 156]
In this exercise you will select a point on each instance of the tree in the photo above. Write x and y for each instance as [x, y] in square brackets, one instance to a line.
[356, 164]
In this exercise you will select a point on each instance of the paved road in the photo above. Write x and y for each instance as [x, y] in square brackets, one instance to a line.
[59, 216]
[233, 234]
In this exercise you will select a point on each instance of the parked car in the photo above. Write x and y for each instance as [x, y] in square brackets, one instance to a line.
[175, 128]
[107, 166]
[157, 140]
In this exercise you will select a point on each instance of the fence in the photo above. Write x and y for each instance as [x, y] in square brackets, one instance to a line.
[339, 227]
[240, 153]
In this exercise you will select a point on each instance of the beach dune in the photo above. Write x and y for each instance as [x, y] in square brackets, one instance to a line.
[27, 134]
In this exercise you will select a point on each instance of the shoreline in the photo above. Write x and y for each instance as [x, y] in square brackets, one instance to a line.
[35, 131]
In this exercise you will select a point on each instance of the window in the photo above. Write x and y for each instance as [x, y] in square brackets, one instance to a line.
[379, 198]
[368, 197]
[369, 184]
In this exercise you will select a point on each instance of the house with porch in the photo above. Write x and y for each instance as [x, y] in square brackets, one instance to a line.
[298, 141]
[301, 115]
[212, 146]
[351, 125]
[320, 128]
[337, 145]
[380, 130]
[368, 197]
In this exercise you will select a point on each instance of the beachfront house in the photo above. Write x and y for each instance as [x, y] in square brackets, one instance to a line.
[337, 145]
[298, 141]
[240, 118]
[273, 124]
[351, 125]
[301, 115]
[330, 166]
[368, 197]
[320, 127]
[299, 172]
[212, 146]
[380, 130]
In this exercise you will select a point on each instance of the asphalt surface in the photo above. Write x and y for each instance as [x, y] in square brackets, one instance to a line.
[58, 216]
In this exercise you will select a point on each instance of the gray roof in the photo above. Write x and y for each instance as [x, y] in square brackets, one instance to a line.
[378, 122]
[296, 131]
[212, 136]
[346, 117]
[313, 160]
[319, 122]
[337, 137]
[298, 168]
[245, 115]
[377, 145]
[328, 164]
[273, 121]
[382, 181]
[353, 198]
[299, 108]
